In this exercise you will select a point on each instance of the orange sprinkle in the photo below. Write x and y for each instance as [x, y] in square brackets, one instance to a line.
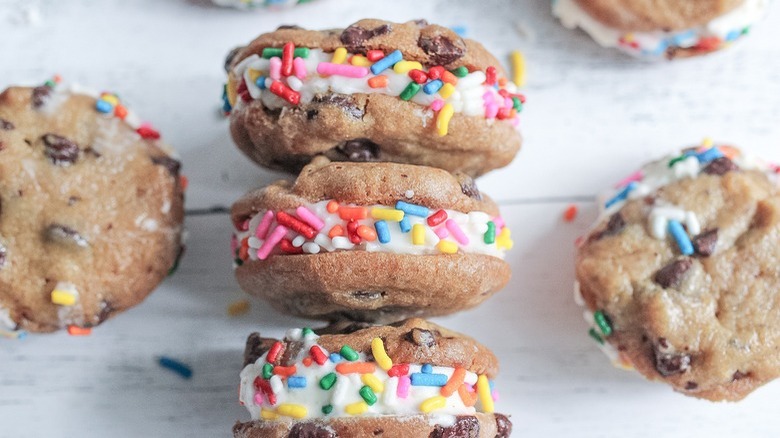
[332, 206]
[356, 367]
[120, 112]
[729, 151]
[353, 213]
[285, 371]
[337, 230]
[366, 232]
[74, 330]
[449, 78]
[380, 81]
[184, 182]
[455, 382]
[570, 214]
[307, 362]
[469, 398]
[503, 81]
[57, 79]
[243, 252]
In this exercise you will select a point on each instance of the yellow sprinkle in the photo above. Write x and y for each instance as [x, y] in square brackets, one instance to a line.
[231, 90]
[356, 408]
[291, 410]
[418, 234]
[504, 239]
[254, 74]
[518, 68]
[110, 98]
[707, 142]
[360, 61]
[267, 414]
[380, 355]
[433, 403]
[238, 308]
[373, 382]
[447, 247]
[483, 391]
[63, 297]
[339, 56]
[388, 214]
[446, 90]
[443, 119]
[629, 37]
[403, 67]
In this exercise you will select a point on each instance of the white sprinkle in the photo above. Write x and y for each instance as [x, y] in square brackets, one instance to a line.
[389, 396]
[254, 242]
[324, 242]
[479, 217]
[340, 391]
[294, 83]
[276, 384]
[578, 294]
[341, 242]
[692, 223]
[298, 241]
[268, 83]
[311, 248]
[409, 194]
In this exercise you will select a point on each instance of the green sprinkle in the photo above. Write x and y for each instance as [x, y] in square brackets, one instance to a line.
[307, 331]
[410, 90]
[301, 52]
[368, 395]
[268, 371]
[327, 409]
[349, 354]
[594, 334]
[460, 72]
[674, 161]
[603, 322]
[328, 381]
[490, 234]
[270, 52]
[238, 261]
[746, 30]
[516, 104]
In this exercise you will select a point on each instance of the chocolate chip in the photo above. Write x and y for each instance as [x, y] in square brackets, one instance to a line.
[3, 255]
[169, 163]
[441, 49]
[290, 354]
[464, 427]
[60, 150]
[615, 225]
[705, 243]
[503, 426]
[739, 375]
[73, 200]
[256, 347]
[311, 114]
[230, 57]
[355, 36]
[421, 22]
[40, 95]
[64, 234]
[368, 294]
[343, 101]
[311, 430]
[105, 311]
[421, 337]
[669, 363]
[690, 386]
[468, 186]
[5, 125]
[672, 274]
[288, 26]
[360, 149]
[720, 166]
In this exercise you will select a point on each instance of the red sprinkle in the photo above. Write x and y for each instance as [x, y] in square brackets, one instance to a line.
[287, 246]
[375, 55]
[285, 92]
[274, 352]
[418, 76]
[570, 213]
[296, 225]
[436, 72]
[243, 91]
[352, 227]
[264, 386]
[492, 75]
[398, 370]
[74, 330]
[437, 218]
[318, 355]
[287, 59]
[120, 111]
[504, 113]
[148, 133]
[307, 362]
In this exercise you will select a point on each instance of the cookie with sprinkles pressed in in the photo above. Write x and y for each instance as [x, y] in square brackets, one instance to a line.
[409, 379]
[681, 277]
[90, 209]
[662, 29]
[370, 241]
[375, 91]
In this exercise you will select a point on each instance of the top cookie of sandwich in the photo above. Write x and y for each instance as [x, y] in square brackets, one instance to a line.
[375, 91]
[653, 15]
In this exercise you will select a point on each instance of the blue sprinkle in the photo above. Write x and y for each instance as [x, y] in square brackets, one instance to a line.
[260, 82]
[433, 86]
[427, 368]
[733, 35]
[492, 385]
[460, 30]
[412, 209]
[420, 379]
[682, 38]
[679, 234]
[382, 231]
[296, 382]
[709, 155]
[622, 195]
[386, 62]
[176, 366]
[103, 106]
[405, 225]
[335, 357]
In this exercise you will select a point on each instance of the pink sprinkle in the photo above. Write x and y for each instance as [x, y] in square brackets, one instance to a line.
[488, 97]
[470, 388]
[457, 232]
[491, 110]
[299, 66]
[350, 71]
[442, 232]
[245, 225]
[276, 68]
[233, 245]
[404, 382]
[494, 394]
[508, 103]
[516, 121]
[437, 104]
[499, 221]
[310, 218]
[636, 176]
[276, 236]
[265, 225]
[259, 398]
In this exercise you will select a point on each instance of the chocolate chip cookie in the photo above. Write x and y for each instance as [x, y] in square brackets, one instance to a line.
[90, 208]
[681, 276]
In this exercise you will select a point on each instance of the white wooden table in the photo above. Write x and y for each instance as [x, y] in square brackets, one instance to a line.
[592, 116]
